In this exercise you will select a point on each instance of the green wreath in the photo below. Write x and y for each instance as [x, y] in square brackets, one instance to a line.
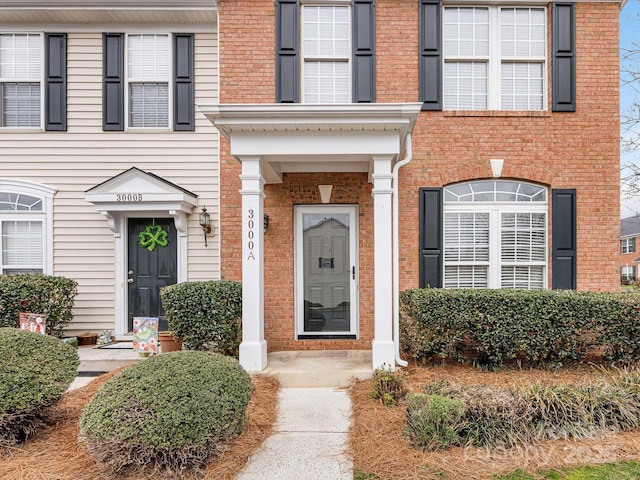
[152, 237]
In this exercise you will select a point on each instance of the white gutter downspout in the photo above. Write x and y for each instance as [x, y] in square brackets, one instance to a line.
[408, 154]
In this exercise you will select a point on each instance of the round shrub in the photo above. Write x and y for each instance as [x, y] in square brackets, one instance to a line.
[205, 315]
[168, 413]
[35, 371]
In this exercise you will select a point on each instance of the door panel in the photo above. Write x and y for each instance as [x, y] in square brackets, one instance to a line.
[326, 253]
[150, 269]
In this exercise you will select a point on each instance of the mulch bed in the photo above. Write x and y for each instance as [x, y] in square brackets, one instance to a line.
[378, 447]
[55, 452]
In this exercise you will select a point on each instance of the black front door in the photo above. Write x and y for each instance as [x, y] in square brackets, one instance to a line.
[152, 264]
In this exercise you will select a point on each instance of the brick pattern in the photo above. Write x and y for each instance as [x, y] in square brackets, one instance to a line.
[560, 150]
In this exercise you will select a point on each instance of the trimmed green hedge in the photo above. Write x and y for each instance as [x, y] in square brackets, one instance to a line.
[169, 413]
[35, 371]
[37, 293]
[205, 315]
[535, 326]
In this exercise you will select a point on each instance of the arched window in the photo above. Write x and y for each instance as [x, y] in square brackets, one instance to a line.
[495, 235]
[25, 225]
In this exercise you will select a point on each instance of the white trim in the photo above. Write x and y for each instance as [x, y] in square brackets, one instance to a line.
[320, 59]
[159, 199]
[40, 128]
[495, 211]
[169, 81]
[354, 283]
[46, 193]
[494, 59]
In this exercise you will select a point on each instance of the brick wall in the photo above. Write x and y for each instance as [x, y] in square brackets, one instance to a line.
[560, 150]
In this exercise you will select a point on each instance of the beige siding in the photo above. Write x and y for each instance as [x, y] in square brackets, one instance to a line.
[84, 156]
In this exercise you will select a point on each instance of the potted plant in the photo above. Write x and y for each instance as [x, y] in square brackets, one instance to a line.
[87, 338]
[169, 341]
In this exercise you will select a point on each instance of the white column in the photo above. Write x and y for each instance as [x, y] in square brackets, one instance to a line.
[383, 346]
[253, 349]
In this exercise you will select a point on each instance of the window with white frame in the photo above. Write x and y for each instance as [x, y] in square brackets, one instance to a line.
[148, 74]
[494, 58]
[495, 235]
[22, 223]
[20, 79]
[628, 273]
[326, 53]
[628, 245]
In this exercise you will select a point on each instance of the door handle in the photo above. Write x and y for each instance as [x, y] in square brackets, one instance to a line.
[353, 272]
[129, 280]
[130, 272]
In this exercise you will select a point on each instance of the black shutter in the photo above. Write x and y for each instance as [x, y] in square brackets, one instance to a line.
[287, 70]
[113, 82]
[55, 82]
[183, 93]
[364, 51]
[563, 233]
[431, 237]
[430, 65]
[564, 57]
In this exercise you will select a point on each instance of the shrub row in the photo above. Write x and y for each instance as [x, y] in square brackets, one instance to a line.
[205, 315]
[35, 371]
[538, 326]
[170, 413]
[448, 415]
[37, 293]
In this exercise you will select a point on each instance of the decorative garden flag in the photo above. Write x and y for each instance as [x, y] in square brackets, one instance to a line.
[145, 335]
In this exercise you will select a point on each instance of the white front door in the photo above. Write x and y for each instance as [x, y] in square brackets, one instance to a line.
[326, 270]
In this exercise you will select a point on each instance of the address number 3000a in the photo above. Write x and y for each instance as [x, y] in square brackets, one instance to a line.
[128, 197]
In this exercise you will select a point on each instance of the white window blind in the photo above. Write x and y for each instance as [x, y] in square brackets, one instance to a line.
[466, 250]
[20, 76]
[523, 250]
[148, 77]
[326, 47]
[494, 58]
[22, 245]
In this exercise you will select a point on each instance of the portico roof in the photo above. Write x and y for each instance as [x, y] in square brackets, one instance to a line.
[314, 138]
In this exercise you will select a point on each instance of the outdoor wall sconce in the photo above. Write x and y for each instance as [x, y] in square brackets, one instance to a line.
[205, 223]
[265, 223]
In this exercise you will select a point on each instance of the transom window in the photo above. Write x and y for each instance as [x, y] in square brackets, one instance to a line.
[495, 235]
[148, 80]
[326, 52]
[20, 79]
[628, 245]
[494, 58]
[22, 226]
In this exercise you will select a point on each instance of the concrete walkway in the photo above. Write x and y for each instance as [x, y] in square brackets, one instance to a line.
[311, 438]
[311, 434]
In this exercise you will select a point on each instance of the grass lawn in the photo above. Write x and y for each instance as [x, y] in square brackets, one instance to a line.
[608, 471]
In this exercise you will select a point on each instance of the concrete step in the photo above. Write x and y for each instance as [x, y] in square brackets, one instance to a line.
[319, 368]
[315, 368]
[94, 359]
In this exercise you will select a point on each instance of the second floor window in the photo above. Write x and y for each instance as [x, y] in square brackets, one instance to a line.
[494, 58]
[628, 245]
[148, 81]
[20, 80]
[326, 51]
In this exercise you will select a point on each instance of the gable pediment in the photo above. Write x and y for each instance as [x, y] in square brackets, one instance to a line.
[135, 190]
